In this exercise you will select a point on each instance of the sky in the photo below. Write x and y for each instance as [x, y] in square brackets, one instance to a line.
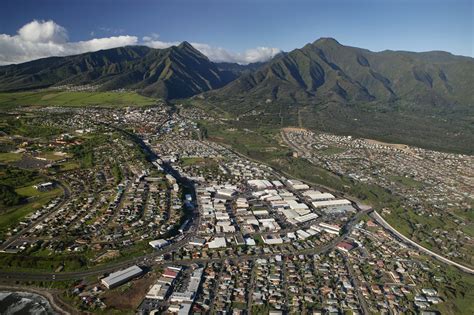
[230, 30]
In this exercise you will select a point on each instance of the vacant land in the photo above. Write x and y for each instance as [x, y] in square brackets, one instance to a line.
[129, 296]
[67, 98]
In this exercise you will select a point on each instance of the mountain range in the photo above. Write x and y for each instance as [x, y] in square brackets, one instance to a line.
[326, 71]
[321, 71]
[175, 72]
[324, 85]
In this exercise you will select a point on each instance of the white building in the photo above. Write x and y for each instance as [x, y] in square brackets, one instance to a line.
[330, 203]
[120, 277]
[157, 244]
[217, 242]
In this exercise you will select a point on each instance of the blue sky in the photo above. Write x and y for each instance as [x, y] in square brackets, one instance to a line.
[238, 26]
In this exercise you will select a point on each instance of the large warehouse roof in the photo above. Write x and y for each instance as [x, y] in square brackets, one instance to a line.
[121, 276]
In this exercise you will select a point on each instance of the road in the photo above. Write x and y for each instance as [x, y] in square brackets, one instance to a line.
[377, 217]
[77, 275]
[149, 258]
[64, 199]
[356, 285]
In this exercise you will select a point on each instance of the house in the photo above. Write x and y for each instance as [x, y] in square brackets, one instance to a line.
[345, 246]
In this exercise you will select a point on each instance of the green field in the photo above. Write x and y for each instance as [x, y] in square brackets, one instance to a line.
[407, 181]
[51, 156]
[68, 166]
[9, 157]
[331, 151]
[13, 215]
[66, 98]
[191, 161]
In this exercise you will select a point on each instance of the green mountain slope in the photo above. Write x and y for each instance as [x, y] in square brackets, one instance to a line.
[328, 71]
[175, 72]
[424, 99]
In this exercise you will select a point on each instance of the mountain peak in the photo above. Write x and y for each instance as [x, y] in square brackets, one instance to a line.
[186, 44]
[175, 72]
[326, 41]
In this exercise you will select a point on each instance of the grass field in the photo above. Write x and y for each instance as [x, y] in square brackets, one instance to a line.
[13, 215]
[66, 98]
[331, 151]
[406, 181]
[191, 161]
[68, 166]
[9, 157]
[53, 156]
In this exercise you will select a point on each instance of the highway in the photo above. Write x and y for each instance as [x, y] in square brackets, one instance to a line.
[377, 217]
[149, 259]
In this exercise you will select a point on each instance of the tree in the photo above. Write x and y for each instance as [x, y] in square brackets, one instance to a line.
[8, 196]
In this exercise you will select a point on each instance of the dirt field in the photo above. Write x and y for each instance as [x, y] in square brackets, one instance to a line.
[129, 296]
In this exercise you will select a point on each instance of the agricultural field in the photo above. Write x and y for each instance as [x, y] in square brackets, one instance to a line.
[74, 99]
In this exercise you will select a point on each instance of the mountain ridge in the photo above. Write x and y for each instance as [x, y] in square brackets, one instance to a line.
[174, 72]
[327, 70]
[423, 99]
[323, 70]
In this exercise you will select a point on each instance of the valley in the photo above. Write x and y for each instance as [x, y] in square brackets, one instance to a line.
[326, 180]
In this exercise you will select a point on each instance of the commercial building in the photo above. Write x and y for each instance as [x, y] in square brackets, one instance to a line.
[44, 186]
[196, 241]
[157, 244]
[330, 228]
[158, 291]
[314, 195]
[345, 246]
[259, 184]
[331, 203]
[272, 239]
[218, 242]
[120, 277]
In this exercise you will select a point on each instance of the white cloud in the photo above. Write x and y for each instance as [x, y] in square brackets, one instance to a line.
[219, 54]
[154, 42]
[39, 39]
[43, 32]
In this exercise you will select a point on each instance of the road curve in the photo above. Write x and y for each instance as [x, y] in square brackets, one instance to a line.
[445, 260]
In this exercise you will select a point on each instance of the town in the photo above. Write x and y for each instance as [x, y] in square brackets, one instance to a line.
[166, 221]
